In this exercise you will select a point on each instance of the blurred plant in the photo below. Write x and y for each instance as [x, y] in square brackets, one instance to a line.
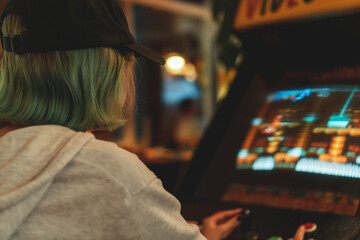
[229, 46]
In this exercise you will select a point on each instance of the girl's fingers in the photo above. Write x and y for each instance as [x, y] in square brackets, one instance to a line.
[230, 224]
[226, 214]
[300, 233]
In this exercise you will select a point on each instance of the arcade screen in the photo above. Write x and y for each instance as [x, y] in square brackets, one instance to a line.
[294, 149]
[312, 130]
[307, 131]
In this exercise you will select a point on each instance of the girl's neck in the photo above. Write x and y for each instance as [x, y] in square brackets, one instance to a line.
[5, 128]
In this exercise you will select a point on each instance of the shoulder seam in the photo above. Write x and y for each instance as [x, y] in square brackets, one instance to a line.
[144, 187]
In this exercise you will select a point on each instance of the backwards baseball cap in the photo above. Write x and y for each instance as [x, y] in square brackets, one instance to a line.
[55, 25]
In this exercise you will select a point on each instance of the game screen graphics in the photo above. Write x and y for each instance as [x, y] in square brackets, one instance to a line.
[310, 130]
[313, 130]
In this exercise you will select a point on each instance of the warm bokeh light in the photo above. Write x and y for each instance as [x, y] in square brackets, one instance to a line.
[190, 72]
[175, 65]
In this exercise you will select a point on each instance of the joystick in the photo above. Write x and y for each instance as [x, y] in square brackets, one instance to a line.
[246, 226]
[246, 220]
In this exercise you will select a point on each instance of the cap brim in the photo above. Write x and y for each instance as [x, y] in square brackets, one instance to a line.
[147, 53]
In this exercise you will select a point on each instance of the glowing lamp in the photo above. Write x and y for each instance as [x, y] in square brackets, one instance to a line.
[175, 65]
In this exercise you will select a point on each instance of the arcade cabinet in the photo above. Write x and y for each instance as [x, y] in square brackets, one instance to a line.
[285, 142]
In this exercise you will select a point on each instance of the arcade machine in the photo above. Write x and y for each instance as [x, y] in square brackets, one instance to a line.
[285, 143]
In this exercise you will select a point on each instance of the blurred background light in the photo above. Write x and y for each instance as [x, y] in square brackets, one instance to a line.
[175, 65]
[190, 72]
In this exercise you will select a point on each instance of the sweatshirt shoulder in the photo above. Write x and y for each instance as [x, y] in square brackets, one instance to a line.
[119, 164]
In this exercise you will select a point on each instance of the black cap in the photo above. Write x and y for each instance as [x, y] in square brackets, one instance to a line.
[55, 25]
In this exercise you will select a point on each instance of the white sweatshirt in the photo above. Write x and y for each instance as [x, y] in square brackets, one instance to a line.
[56, 183]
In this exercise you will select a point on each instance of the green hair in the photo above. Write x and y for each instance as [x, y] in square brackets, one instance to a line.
[80, 89]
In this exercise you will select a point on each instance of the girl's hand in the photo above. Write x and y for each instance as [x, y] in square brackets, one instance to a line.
[300, 233]
[220, 225]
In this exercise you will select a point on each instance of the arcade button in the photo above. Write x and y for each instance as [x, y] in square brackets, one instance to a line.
[310, 227]
[246, 221]
[275, 238]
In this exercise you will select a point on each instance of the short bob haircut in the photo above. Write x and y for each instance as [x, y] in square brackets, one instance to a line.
[80, 89]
